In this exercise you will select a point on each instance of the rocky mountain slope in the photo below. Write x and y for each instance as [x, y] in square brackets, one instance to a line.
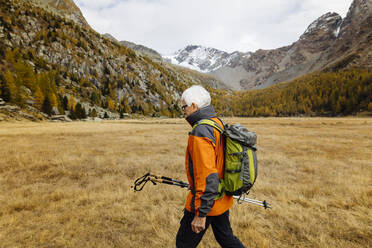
[138, 48]
[65, 8]
[329, 43]
[142, 49]
[55, 65]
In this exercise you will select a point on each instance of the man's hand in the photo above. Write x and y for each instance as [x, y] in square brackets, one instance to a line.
[198, 224]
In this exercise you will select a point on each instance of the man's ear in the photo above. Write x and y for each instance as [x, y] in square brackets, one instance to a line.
[194, 106]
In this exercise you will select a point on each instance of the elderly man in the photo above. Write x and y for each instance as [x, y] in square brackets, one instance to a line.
[205, 168]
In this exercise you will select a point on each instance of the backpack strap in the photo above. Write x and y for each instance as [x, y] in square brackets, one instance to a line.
[223, 123]
[209, 122]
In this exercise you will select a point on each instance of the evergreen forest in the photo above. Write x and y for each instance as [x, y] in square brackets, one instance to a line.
[318, 94]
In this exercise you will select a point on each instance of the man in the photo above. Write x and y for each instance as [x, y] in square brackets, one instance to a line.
[204, 167]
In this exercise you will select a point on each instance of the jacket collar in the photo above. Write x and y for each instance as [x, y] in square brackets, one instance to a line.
[202, 113]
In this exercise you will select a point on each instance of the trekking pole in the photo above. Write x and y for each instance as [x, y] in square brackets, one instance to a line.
[264, 203]
[140, 182]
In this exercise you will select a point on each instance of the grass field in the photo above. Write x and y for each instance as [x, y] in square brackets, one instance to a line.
[68, 184]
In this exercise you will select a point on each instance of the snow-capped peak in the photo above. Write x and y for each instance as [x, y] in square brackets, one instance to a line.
[200, 58]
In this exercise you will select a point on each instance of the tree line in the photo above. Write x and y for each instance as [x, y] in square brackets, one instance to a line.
[317, 94]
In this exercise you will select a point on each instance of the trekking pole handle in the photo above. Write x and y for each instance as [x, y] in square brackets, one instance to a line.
[173, 182]
[167, 178]
[170, 179]
[141, 182]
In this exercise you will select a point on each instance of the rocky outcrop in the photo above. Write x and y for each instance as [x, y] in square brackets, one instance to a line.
[15, 112]
[353, 47]
[142, 50]
[63, 118]
[320, 34]
[138, 48]
[10, 108]
[64, 8]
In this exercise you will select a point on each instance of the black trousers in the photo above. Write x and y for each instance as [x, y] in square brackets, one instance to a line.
[222, 231]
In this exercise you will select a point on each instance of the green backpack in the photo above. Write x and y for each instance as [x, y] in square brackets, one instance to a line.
[240, 158]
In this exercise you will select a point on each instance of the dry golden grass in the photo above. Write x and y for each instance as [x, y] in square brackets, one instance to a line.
[68, 185]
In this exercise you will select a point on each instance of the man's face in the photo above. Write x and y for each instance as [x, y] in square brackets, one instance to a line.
[188, 110]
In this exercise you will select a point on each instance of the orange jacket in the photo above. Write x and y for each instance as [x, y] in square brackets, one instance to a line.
[204, 166]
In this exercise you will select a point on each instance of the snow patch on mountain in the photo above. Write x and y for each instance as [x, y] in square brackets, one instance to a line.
[337, 31]
[202, 59]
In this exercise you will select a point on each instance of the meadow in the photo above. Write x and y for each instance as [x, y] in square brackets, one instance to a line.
[69, 184]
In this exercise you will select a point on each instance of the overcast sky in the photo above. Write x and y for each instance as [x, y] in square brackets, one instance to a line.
[228, 25]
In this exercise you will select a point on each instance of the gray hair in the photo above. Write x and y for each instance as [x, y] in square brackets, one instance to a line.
[198, 95]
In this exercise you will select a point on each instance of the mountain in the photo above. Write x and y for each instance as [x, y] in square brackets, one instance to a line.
[353, 47]
[64, 8]
[202, 59]
[142, 49]
[138, 48]
[57, 65]
[329, 43]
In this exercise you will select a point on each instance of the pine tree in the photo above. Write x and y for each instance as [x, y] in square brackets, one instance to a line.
[80, 111]
[39, 98]
[72, 115]
[4, 90]
[20, 98]
[47, 106]
[93, 113]
[9, 57]
[94, 98]
[71, 103]
[126, 106]
[25, 75]
[110, 104]
[9, 90]
[65, 103]
[53, 100]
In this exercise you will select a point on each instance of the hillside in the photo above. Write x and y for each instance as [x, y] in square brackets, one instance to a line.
[138, 48]
[51, 64]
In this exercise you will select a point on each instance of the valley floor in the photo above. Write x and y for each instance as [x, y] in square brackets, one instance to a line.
[69, 184]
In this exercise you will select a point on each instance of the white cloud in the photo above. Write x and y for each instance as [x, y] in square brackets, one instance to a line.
[96, 4]
[229, 25]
